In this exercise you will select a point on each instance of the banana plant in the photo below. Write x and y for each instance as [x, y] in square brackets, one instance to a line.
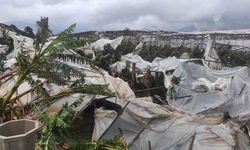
[55, 125]
[46, 62]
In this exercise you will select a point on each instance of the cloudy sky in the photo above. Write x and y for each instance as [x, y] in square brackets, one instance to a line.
[174, 15]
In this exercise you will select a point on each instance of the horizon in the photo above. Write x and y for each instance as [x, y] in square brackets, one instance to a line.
[143, 30]
[103, 15]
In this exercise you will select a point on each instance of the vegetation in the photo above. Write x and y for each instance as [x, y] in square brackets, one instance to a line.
[54, 131]
[107, 57]
[233, 58]
[29, 32]
[7, 40]
[125, 47]
[117, 143]
[149, 53]
[45, 63]
[126, 74]
[2, 59]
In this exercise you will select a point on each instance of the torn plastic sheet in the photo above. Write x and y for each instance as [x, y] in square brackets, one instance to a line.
[103, 119]
[165, 129]
[141, 64]
[229, 90]
[195, 76]
[99, 44]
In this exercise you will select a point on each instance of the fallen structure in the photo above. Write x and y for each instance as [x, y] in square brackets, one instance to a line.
[150, 126]
[209, 109]
[208, 104]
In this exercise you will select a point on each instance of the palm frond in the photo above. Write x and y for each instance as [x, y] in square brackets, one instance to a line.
[78, 82]
[66, 70]
[37, 86]
[51, 75]
[71, 58]
[23, 60]
[97, 89]
[42, 114]
[54, 131]
[57, 72]
[54, 46]
[74, 43]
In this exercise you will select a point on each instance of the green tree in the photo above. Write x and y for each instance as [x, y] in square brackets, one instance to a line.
[2, 59]
[29, 32]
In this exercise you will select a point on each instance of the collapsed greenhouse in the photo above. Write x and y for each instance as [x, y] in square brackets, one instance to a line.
[204, 103]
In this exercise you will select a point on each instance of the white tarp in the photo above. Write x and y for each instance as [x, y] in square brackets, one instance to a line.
[103, 119]
[120, 65]
[227, 91]
[3, 48]
[141, 64]
[164, 64]
[99, 44]
[151, 126]
[20, 42]
[157, 65]
[194, 76]
[56, 106]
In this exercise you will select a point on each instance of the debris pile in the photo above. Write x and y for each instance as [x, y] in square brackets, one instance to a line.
[205, 105]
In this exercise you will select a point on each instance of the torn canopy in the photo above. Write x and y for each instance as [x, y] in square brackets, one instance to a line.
[225, 91]
[154, 127]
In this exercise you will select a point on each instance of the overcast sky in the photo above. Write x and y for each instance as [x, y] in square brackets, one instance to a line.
[175, 15]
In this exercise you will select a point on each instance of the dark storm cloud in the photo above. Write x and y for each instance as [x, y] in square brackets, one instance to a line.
[134, 14]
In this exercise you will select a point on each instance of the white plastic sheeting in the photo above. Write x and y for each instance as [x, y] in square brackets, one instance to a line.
[23, 88]
[143, 111]
[119, 66]
[115, 85]
[99, 44]
[141, 64]
[96, 76]
[157, 65]
[194, 76]
[55, 107]
[3, 48]
[211, 57]
[146, 126]
[19, 42]
[101, 77]
[120, 87]
[138, 48]
[227, 91]
[103, 119]
[163, 64]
